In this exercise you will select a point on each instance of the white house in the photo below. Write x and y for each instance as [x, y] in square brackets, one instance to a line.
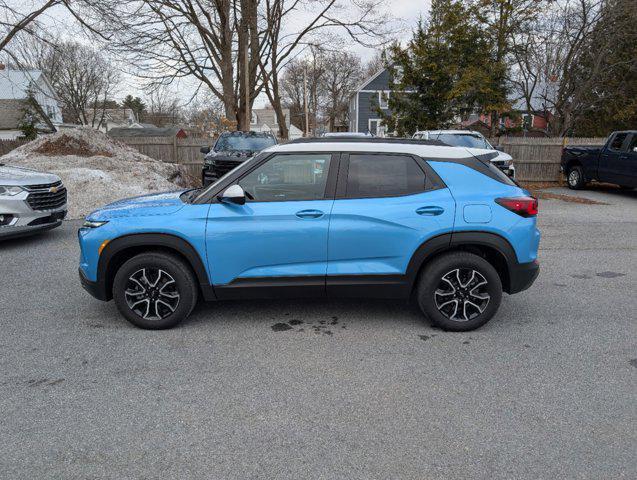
[108, 118]
[264, 120]
[15, 87]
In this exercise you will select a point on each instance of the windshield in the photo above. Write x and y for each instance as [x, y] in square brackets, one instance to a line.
[200, 192]
[240, 143]
[462, 140]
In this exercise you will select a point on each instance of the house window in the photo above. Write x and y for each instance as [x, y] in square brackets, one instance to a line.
[253, 118]
[383, 99]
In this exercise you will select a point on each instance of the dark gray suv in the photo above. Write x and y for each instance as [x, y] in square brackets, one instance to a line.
[230, 150]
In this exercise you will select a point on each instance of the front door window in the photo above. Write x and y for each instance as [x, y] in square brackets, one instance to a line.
[288, 177]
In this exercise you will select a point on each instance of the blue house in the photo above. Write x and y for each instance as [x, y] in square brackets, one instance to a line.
[373, 92]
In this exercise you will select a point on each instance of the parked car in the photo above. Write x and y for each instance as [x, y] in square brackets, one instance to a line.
[230, 150]
[475, 142]
[402, 219]
[30, 201]
[614, 162]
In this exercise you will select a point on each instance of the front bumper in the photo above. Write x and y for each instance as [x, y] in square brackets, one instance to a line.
[19, 227]
[96, 289]
[522, 276]
[208, 176]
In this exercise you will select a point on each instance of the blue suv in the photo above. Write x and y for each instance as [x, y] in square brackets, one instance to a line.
[322, 218]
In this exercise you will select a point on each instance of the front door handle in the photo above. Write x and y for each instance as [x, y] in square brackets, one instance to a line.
[309, 214]
[430, 210]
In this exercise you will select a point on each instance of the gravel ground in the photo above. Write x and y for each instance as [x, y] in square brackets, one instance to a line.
[352, 390]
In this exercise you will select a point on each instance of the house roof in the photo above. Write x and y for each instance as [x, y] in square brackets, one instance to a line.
[15, 83]
[373, 77]
[144, 132]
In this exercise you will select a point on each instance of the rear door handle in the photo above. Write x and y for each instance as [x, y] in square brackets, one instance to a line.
[430, 210]
[309, 214]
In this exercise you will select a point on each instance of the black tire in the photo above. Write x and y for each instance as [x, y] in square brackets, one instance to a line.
[162, 294]
[626, 187]
[575, 178]
[432, 303]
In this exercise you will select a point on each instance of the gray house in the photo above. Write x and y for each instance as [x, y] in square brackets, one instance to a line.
[373, 92]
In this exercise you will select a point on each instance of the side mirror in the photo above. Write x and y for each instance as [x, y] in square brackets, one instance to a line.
[233, 194]
[205, 150]
[499, 148]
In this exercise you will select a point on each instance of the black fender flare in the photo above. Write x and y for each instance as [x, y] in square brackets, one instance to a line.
[450, 241]
[150, 241]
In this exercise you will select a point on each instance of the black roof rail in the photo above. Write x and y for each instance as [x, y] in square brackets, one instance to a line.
[408, 141]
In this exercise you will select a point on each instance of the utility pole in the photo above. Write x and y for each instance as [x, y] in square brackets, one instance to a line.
[307, 115]
[246, 83]
[246, 73]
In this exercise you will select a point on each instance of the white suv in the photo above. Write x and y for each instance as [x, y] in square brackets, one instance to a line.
[30, 201]
[472, 141]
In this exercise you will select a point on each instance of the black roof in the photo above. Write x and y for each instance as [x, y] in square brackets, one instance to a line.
[144, 132]
[409, 141]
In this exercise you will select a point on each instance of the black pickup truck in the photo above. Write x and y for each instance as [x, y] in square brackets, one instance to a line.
[615, 162]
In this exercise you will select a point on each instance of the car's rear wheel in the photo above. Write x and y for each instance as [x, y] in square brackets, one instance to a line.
[155, 290]
[459, 291]
[575, 178]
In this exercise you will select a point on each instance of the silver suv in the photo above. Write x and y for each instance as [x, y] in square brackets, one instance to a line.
[30, 201]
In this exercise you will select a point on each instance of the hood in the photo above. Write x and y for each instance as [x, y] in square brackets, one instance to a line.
[154, 204]
[501, 156]
[19, 176]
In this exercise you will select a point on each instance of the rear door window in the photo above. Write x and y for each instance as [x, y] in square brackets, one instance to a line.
[371, 175]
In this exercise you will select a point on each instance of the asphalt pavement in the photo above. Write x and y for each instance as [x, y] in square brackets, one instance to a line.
[331, 390]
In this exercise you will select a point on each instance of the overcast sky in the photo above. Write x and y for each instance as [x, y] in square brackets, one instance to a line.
[406, 13]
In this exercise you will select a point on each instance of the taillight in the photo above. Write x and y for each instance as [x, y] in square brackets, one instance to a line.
[523, 206]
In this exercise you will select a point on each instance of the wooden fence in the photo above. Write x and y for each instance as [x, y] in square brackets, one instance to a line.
[184, 151]
[7, 145]
[535, 159]
[538, 159]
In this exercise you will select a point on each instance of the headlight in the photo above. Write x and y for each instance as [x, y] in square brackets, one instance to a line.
[9, 191]
[92, 224]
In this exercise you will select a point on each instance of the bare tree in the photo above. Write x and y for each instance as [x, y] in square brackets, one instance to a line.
[570, 54]
[163, 107]
[22, 17]
[342, 73]
[84, 79]
[362, 21]
[331, 77]
[215, 42]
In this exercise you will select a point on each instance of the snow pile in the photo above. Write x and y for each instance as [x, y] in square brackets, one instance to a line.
[95, 169]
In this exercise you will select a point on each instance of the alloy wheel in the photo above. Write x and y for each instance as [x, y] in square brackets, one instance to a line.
[152, 293]
[573, 178]
[462, 294]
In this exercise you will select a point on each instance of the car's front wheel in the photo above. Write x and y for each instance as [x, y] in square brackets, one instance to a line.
[155, 290]
[459, 291]
[575, 178]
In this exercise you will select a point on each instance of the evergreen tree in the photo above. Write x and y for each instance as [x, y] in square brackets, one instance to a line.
[136, 105]
[446, 71]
